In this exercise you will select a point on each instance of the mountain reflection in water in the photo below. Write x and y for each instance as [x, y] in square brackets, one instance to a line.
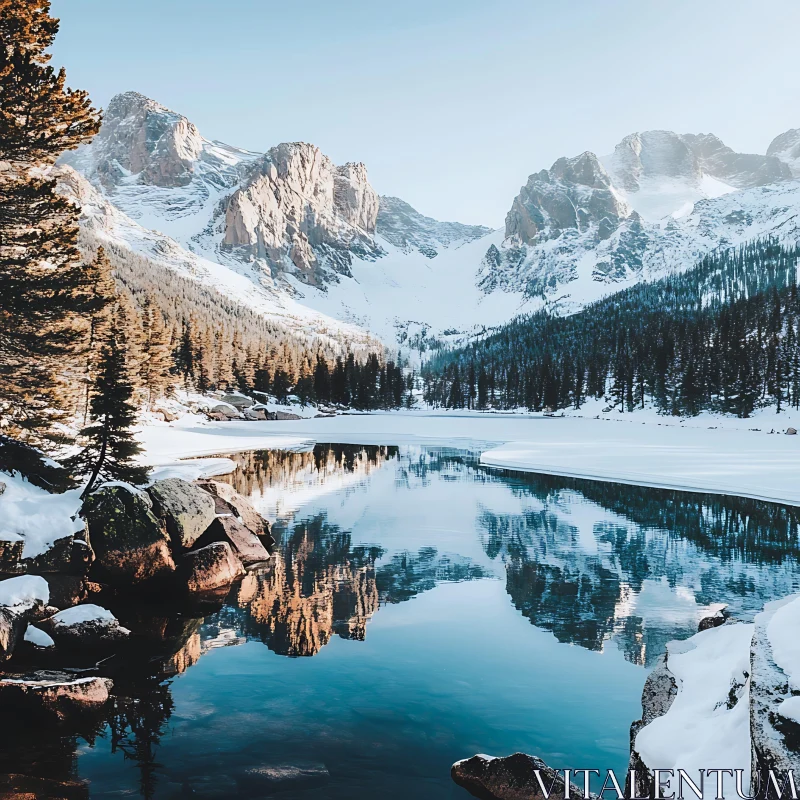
[609, 568]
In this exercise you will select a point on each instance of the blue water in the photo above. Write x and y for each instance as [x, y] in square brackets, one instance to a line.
[420, 609]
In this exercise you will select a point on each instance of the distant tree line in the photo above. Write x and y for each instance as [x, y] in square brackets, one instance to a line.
[723, 336]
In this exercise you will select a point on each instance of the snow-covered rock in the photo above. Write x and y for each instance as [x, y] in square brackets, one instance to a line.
[34, 517]
[786, 147]
[86, 627]
[708, 722]
[60, 692]
[24, 593]
[775, 687]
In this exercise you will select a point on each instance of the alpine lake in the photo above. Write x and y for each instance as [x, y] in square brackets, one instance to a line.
[418, 609]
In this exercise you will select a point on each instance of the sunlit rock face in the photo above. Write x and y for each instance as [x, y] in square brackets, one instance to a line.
[299, 212]
[142, 138]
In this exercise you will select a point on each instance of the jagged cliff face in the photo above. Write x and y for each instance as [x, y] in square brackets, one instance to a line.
[301, 214]
[143, 138]
[574, 194]
[657, 204]
[287, 215]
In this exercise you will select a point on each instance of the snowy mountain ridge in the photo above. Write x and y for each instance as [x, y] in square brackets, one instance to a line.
[308, 234]
[660, 202]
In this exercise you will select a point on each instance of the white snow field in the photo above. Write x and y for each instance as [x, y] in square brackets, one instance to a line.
[721, 461]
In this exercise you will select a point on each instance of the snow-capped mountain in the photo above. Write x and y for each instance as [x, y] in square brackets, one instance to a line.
[102, 223]
[658, 203]
[291, 232]
[305, 232]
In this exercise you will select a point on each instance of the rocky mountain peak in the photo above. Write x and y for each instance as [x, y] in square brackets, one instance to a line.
[574, 194]
[786, 148]
[652, 154]
[584, 169]
[141, 137]
[300, 213]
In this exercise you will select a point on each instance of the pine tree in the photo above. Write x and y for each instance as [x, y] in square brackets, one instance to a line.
[42, 285]
[102, 291]
[156, 376]
[111, 447]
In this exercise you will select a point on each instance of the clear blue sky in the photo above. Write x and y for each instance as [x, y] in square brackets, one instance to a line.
[451, 104]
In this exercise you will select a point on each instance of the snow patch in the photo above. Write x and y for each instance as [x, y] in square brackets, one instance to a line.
[88, 612]
[24, 592]
[38, 637]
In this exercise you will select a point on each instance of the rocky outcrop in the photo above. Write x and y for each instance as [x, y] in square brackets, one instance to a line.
[211, 569]
[512, 778]
[714, 621]
[656, 205]
[407, 229]
[55, 691]
[143, 142]
[299, 213]
[12, 629]
[775, 689]
[229, 501]
[658, 694]
[86, 628]
[131, 545]
[246, 545]
[741, 170]
[185, 509]
[786, 147]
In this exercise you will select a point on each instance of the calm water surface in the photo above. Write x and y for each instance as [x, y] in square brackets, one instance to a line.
[419, 609]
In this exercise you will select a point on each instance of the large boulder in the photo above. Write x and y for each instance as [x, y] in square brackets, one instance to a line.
[241, 507]
[185, 508]
[61, 692]
[12, 629]
[246, 545]
[66, 590]
[511, 778]
[212, 568]
[239, 401]
[86, 627]
[130, 544]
